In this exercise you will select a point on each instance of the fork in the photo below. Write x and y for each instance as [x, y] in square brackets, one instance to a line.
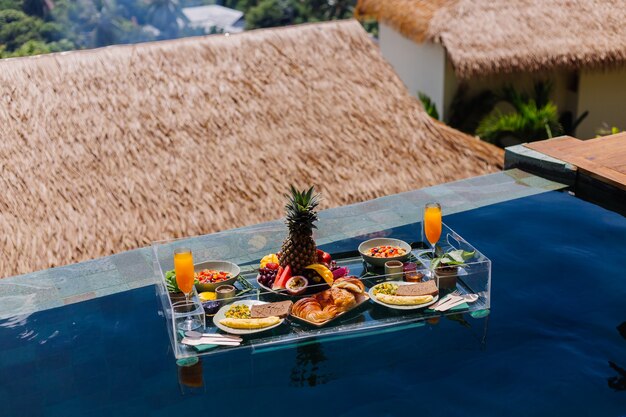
[455, 293]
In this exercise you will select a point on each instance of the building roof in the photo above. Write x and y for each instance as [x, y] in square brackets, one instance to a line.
[485, 37]
[222, 17]
[109, 149]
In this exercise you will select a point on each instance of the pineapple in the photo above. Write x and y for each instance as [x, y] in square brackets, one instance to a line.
[299, 249]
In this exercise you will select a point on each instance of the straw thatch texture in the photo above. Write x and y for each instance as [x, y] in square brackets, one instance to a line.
[107, 150]
[485, 37]
[410, 17]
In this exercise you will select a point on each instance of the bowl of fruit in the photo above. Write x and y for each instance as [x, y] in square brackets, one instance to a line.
[380, 250]
[212, 274]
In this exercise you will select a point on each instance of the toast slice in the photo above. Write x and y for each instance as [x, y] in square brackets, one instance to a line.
[280, 309]
[417, 289]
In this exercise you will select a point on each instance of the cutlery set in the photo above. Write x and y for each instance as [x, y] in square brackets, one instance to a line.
[452, 300]
[193, 338]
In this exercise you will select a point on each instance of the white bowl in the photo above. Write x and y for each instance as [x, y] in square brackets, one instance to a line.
[225, 266]
[383, 241]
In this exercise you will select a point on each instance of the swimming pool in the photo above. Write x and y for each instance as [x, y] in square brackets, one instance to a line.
[558, 305]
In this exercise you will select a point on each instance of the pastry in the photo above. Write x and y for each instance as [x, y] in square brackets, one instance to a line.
[352, 284]
[343, 299]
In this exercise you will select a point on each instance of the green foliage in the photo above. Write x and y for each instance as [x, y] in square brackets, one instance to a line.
[17, 28]
[34, 7]
[467, 112]
[531, 116]
[164, 15]
[28, 27]
[605, 130]
[526, 123]
[10, 4]
[170, 281]
[271, 13]
[454, 257]
[429, 106]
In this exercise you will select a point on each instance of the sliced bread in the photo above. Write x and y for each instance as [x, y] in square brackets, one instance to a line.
[280, 309]
[419, 288]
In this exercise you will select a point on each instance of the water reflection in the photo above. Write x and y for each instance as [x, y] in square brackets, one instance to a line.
[618, 382]
[306, 371]
[190, 376]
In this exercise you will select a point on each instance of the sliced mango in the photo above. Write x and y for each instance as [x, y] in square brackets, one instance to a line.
[269, 258]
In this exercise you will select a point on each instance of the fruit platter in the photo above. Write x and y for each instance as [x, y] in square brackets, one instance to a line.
[300, 268]
[300, 290]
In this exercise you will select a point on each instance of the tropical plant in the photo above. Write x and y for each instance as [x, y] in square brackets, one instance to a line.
[605, 130]
[429, 105]
[533, 118]
[467, 112]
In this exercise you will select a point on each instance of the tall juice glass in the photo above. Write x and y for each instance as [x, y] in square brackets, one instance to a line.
[183, 268]
[432, 223]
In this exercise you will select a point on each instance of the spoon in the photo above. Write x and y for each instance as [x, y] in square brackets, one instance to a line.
[191, 334]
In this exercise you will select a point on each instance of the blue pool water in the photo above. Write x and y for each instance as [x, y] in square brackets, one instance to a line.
[553, 345]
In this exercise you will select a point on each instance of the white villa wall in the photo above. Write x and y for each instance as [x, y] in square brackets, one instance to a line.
[426, 68]
[420, 66]
[603, 93]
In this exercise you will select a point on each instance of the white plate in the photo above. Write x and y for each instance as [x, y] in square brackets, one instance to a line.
[221, 315]
[396, 307]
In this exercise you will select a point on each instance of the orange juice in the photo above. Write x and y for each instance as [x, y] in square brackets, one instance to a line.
[432, 223]
[183, 267]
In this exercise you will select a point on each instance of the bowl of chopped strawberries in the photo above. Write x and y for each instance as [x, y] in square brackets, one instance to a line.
[212, 274]
[380, 250]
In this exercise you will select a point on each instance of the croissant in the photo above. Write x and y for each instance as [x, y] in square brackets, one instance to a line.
[324, 298]
[310, 309]
[343, 299]
[352, 284]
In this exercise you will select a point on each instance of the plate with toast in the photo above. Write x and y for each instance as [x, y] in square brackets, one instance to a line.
[401, 295]
[251, 316]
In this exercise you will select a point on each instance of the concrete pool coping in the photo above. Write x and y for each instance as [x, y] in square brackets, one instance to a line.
[55, 287]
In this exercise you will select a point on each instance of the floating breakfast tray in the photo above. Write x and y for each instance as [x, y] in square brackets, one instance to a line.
[365, 319]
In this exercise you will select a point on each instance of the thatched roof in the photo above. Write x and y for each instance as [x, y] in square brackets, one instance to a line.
[107, 150]
[485, 37]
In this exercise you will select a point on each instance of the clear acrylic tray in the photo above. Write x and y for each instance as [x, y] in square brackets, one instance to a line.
[366, 319]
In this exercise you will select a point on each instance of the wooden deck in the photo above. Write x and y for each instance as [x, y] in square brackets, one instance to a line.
[602, 158]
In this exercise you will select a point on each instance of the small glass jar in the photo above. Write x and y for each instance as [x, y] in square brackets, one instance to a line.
[411, 274]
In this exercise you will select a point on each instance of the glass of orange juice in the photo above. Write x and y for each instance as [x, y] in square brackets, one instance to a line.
[432, 223]
[183, 268]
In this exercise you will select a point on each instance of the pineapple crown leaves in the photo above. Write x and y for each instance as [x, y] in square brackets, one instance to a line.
[300, 208]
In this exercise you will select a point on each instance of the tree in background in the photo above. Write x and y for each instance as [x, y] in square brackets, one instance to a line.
[28, 27]
[167, 16]
[271, 13]
[21, 34]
